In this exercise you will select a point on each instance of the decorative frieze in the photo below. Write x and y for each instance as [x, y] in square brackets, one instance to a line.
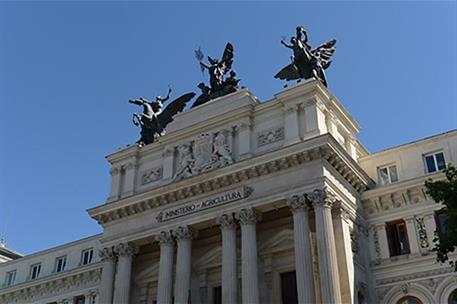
[241, 175]
[151, 175]
[44, 289]
[270, 136]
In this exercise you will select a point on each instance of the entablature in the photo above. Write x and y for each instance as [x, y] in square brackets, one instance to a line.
[323, 147]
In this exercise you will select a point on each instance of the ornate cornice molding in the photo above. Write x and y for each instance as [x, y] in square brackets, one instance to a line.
[327, 149]
[46, 288]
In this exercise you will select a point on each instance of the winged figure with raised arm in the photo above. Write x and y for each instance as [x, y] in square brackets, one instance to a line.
[154, 120]
[307, 62]
[222, 79]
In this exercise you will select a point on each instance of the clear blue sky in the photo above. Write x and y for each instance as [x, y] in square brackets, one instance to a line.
[67, 70]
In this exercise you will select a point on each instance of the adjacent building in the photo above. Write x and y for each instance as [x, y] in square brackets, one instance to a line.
[245, 201]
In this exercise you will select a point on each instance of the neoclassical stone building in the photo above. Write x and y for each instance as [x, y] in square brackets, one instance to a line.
[245, 201]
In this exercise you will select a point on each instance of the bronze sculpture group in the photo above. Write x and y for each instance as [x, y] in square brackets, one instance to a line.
[306, 63]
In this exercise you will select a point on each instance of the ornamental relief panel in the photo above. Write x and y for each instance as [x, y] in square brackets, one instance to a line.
[206, 152]
[270, 136]
[151, 175]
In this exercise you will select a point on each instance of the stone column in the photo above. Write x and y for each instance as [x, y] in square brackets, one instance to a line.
[125, 252]
[229, 273]
[383, 244]
[412, 235]
[328, 265]
[165, 284]
[249, 273]
[430, 226]
[299, 206]
[107, 280]
[183, 264]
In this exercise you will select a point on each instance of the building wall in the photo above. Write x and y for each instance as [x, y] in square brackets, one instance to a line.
[301, 140]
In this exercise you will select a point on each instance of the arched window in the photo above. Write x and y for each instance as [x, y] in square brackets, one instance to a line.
[453, 297]
[409, 300]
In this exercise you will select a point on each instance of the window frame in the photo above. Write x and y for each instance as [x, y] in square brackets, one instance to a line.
[8, 281]
[91, 256]
[435, 161]
[64, 263]
[393, 248]
[389, 175]
[38, 265]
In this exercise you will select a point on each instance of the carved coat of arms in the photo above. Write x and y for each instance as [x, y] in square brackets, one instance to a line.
[206, 152]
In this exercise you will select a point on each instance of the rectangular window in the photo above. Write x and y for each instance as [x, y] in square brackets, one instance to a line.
[387, 174]
[61, 262]
[86, 256]
[434, 162]
[440, 221]
[35, 271]
[397, 236]
[10, 278]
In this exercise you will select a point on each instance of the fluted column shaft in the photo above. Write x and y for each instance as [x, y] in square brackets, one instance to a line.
[107, 280]
[229, 273]
[249, 272]
[183, 264]
[125, 252]
[165, 287]
[302, 243]
[328, 266]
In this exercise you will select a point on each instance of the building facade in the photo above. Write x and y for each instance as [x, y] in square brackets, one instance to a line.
[245, 201]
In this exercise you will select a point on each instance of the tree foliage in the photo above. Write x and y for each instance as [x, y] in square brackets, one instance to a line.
[445, 192]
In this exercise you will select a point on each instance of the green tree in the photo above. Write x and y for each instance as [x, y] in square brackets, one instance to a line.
[445, 192]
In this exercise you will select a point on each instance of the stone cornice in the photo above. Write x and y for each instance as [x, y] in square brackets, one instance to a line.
[321, 147]
[53, 284]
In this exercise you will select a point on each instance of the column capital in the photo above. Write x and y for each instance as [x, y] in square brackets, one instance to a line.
[126, 249]
[184, 233]
[322, 198]
[164, 238]
[107, 254]
[298, 202]
[226, 221]
[248, 216]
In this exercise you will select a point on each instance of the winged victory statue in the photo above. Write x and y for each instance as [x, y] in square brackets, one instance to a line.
[222, 79]
[307, 62]
[154, 120]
